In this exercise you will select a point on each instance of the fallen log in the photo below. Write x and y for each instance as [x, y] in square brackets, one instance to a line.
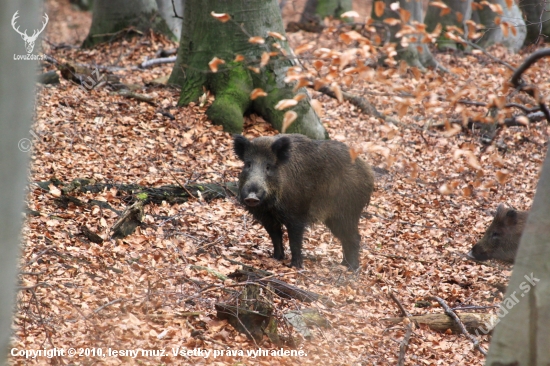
[442, 322]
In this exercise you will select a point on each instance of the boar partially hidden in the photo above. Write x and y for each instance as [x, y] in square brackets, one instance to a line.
[501, 240]
[293, 181]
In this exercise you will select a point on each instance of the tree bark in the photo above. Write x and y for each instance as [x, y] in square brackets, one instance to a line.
[537, 15]
[512, 21]
[166, 10]
[110, 17]
[461, 11]
[17, 104]
[522, 335]
[204, 37]
[416, 54]
[319, 9]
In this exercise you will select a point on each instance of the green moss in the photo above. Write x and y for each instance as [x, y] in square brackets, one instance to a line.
[142, 196]
[265, 106]
[232, 87]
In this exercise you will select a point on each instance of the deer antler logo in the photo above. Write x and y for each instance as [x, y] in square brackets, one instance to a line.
[29, 41]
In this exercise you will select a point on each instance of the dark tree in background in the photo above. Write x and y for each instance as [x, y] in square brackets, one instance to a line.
[113, 16]
[316, 10]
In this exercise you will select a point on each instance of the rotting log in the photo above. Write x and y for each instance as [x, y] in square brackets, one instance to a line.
[443, 322]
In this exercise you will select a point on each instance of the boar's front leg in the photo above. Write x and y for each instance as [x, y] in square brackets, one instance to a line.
[295, 237]
[275, 231]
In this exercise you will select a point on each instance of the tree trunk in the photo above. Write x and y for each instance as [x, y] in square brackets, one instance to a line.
[511, 21]
[522, 335]
[16, 103]
[166, 10]
[110, 17]
[537, 15]
[460, 12]
[316, 10]
[204, 37]
[416, 54]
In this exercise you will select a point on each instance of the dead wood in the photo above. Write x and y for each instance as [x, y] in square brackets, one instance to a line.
[531, 89]
[442, 322]
[459, 323]
[365, 106]
[404, 344]
[251, 313]
[171, 194]
[137, 197]
[280, 288]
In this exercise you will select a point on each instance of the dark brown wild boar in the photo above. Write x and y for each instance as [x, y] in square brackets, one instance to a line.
[293, 181]
[501, 240]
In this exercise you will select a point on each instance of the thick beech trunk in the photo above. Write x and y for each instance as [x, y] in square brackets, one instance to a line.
[204, 37]
[416, 54]
[113, 16]
[512, 21]
[461, 11]
[319, 9]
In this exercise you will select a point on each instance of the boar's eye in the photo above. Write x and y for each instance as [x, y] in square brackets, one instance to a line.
[495, 235]
[247, 164]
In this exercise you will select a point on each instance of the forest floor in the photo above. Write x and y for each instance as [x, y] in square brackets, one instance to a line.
[435, 193]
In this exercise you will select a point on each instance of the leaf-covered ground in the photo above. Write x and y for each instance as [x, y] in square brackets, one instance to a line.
[436, 190]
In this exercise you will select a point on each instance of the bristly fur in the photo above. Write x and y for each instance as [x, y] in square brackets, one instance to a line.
[294, 181]
[502, 238]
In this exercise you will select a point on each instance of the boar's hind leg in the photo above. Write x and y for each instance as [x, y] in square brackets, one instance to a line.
[295, 237]
[275, 231]
[346, 231]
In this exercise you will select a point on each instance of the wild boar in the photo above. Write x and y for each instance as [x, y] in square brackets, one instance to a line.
[501, 240]
[294, 181]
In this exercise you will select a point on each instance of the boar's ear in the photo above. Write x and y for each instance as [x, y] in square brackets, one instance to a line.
[281, 148]
[511, 217]
[240, 145]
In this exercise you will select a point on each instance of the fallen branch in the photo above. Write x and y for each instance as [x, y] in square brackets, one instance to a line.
[404, 344]
[280, 288]
[356, 100]
[157, 61]
[442, 323]
[137, 96]
[457, 321]
[516, 121]
[531, 89]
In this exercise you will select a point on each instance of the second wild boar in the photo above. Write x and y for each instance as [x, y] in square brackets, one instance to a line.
[501, 240]
[294, 181]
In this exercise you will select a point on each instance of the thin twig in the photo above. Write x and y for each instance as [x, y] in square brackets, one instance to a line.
[404, 344]
[458, 322]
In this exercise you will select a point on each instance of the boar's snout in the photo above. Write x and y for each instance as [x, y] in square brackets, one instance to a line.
[477, 254]
[252, 200]
[252, 195]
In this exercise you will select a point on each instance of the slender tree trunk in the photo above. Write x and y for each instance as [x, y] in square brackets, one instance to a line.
[204, 37]
[511, 34]
[522, 336]
[537, 16]
[113, 16]
[460, 12]
[416, 54]
[166, 10]
[316, 10]
[16, 103]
